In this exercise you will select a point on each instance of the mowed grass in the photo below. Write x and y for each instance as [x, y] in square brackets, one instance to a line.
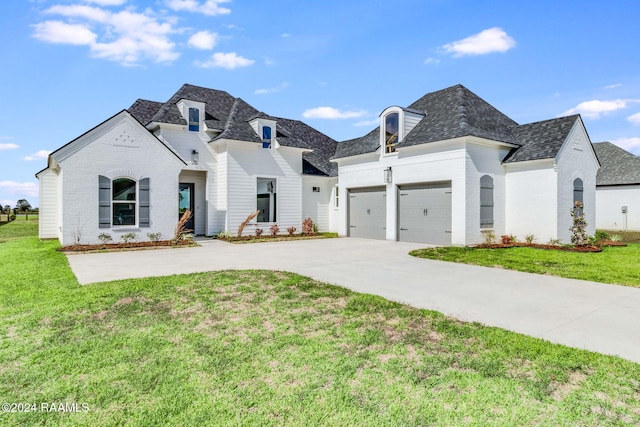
[273, 348]
[615, 265]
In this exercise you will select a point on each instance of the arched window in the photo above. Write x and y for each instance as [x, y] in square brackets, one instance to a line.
[486, 202]
[391, 124]
[578, 195]
[123, 202]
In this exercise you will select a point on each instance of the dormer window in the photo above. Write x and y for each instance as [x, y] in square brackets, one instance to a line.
[194, 120]
[391, 129]
[266, 137]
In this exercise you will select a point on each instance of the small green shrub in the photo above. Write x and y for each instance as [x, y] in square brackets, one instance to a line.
[105, 238]
[489, 237]
[615, 238]
[154, 237]
[224, 235]
[12, 217]
[129, 237]
[529, 238]
[602, 235]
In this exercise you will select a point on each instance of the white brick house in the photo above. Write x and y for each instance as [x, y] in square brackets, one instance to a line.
[202, 149]
[450, 167]
[617, 189]
[442, 171]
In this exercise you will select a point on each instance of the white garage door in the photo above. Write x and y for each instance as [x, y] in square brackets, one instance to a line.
[425, 213]
[368, 212]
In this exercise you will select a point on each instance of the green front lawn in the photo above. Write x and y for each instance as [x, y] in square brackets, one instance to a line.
[615, 265]
[274, 348]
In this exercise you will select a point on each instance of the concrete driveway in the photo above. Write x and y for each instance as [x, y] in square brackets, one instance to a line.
[588, 315]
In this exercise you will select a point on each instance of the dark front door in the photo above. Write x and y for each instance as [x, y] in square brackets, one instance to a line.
[185, 197]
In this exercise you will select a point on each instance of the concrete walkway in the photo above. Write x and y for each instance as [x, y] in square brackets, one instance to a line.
[593, 316]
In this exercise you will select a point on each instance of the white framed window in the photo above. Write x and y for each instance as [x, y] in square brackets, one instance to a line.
[123, 202]
[578, 196]
[266, 199]
[391, 132]
[336, 200]
[486, 202]
[194, 119]
[266, 137]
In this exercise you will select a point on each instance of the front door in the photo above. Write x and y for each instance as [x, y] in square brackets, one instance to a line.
[185, 197]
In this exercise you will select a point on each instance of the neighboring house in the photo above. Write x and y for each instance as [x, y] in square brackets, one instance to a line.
[204, 150]
[450, 167]
[445, 170]
[617, 189]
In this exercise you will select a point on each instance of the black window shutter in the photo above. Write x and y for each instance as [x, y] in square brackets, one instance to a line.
[104, 202]
[144, 210]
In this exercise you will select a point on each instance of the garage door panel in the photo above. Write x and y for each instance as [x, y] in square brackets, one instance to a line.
[368, 213]
[425, 214]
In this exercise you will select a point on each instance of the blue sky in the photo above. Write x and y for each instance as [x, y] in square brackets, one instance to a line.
[67, 65]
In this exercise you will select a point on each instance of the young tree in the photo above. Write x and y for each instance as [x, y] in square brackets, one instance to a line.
[23, 206]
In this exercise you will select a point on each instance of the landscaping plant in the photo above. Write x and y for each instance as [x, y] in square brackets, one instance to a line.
[307, 226]
[579, 227]
[274, 229]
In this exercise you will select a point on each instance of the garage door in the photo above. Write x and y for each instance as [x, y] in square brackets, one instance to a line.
[425, 213]
[368, 213]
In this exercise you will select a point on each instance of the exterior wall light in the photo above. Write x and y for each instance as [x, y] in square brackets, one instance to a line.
[388, 175]
[194, 157]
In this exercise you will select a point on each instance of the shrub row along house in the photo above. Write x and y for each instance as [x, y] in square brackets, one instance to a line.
[443, 170]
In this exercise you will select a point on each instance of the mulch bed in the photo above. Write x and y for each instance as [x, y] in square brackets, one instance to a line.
[268, 237]
[130, 245]
[587, 248]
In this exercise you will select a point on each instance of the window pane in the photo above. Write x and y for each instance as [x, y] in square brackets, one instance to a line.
[486, 202]
[124, 189]
[266, 199]
[124, 214]
[266, 133]
[194, 120]
[391, 132]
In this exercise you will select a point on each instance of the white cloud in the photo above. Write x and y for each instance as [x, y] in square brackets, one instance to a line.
[285, 35]
[209, 7]
[8, 146]
[634, 118]
[331, 113]
[61, 32]
[229, 61]
[373, 122]
[595, 108]
[41, 154]
[204, 40]
[127, 37]
[630, 144]
[431, 61]
[21, 189]
[274, 89]
[487, 41]
[613, 86]
[269, 61]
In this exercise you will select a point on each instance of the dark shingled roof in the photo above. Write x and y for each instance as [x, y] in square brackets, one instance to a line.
[457, 112]
[617, 166]
[144, 110]
[541, 140]
[232, 115]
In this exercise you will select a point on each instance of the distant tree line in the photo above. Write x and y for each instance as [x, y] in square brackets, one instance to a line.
[22, 207]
